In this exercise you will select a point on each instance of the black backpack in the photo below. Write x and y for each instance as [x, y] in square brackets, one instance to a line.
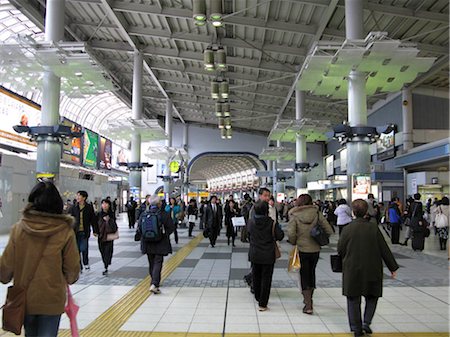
[151, 226]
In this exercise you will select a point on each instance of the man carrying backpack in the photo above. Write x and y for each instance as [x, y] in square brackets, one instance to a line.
[154, 228]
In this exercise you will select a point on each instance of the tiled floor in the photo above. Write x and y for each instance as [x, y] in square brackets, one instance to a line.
[206, 293]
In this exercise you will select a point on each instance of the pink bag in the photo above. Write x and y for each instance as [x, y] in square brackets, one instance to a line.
[71, 310]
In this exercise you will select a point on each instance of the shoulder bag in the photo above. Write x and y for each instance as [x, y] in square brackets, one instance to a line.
[277, 247]
[441, 220]
[16, 302]
[336, 263]
[318, 233]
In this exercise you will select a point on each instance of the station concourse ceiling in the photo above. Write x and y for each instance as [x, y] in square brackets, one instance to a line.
[266, 43]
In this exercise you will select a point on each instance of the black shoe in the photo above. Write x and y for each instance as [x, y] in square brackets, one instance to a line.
[367, 329]
[105, 272]
[358, 334]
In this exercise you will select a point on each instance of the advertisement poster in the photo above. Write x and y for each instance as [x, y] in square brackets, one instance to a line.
[105, 154]
[343, 156]
[119, 155]
[17, 111]
[90, 149]
[360, 186]
[329, 165]
[386, 146]
[72, 150]
[152, 172]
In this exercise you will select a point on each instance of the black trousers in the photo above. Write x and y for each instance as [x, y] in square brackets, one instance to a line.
[354, 312]
[131, 218]
[213, 233]
[106, 250]
[308, 262]
[175, 232]
[155, 263]
[262, 282]
[395, 233]
[341, 227]
[191, 227]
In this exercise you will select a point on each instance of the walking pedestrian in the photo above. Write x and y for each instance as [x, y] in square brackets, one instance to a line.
[363, 250]
[104, 231]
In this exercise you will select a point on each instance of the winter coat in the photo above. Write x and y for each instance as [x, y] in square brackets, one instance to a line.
[363, 250]
[103, 227]
[210, 219]
[344, 214]
[162, 247]
[173, 212]
[393, 214]
[59, 265]
[262, 241]
[89, 218]
[301, 220]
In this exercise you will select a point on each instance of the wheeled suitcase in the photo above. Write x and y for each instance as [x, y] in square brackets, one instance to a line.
[418, 240]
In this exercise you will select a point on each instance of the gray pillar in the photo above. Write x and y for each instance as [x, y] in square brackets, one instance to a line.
[407, 117]
[358, 154]
[49, 148]
[300, 141]
[136, 111]
[168, 121]
[274, 179]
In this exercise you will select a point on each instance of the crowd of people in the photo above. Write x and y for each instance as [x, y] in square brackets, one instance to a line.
[51, 233]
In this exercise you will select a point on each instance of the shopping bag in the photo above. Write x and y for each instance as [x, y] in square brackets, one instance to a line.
[294, 260]
[71, 310]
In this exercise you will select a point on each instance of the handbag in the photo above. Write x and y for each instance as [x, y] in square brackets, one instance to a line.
[318, 234]
[191, 218]
[206, 232]
[294, 260]
[441, 220]
[112, 236]
[277, 246]
[336, 263]
[16, 302]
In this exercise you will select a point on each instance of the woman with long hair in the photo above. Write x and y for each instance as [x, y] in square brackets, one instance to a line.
[173, 209]
[301, 220]
[42, 257]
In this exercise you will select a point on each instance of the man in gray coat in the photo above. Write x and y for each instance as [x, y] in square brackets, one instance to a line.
[363, 250]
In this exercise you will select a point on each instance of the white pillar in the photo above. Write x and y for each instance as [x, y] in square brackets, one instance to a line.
[358, 154]
[269, 180]
[407, 117]
[168, 121]
[136, 111]
[300, 141]
[49, 148]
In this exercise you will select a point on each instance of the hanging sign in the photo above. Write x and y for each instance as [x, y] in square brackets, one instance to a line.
[361, 185]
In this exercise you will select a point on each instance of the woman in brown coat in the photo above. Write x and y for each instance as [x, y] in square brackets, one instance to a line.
[43, 243]
[301, 220]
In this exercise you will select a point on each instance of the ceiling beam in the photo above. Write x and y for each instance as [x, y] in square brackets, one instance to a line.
[122, 24]
[233, 20]
[190, 56]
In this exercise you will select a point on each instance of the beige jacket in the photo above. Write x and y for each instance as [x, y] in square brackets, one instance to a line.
[301, 220]
[59, 265]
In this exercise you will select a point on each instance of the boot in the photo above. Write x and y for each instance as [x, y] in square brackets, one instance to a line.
[307, 299]
[405, 243]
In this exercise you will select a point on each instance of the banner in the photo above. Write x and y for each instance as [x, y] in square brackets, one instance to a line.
[72, 150]
[329, 165]
[119, 155]
[343, 156]
[105, 154]
[15, 110]
[361, 185]
[90, 149]
[386, 146]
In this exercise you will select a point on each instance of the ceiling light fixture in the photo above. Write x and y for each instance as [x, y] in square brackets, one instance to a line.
[226, 109]
[223, 133]
[219, 109]
[216, 13]
[227, 122]
[224, 89]
[208, 59]
[229, 133]
[221, 123]
[221, 59]
[215, 90]
[199, 12]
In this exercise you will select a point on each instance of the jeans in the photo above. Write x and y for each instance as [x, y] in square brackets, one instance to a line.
[83, 247]
[262, 282]
[308, 262]
[354, 312]
[41, 325]
[155, 263]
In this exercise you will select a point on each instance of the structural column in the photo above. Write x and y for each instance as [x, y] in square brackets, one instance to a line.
[169, 109]
[358, 155]
[269, 180]
[137, 107]
[49, 147]
[300, 142]
[407, 116]
[184, 177]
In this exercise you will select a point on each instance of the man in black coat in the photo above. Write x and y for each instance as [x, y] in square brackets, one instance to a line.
[363, 250]
[156, 250]
[85, 218]
[213, 219]
[131, 212]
